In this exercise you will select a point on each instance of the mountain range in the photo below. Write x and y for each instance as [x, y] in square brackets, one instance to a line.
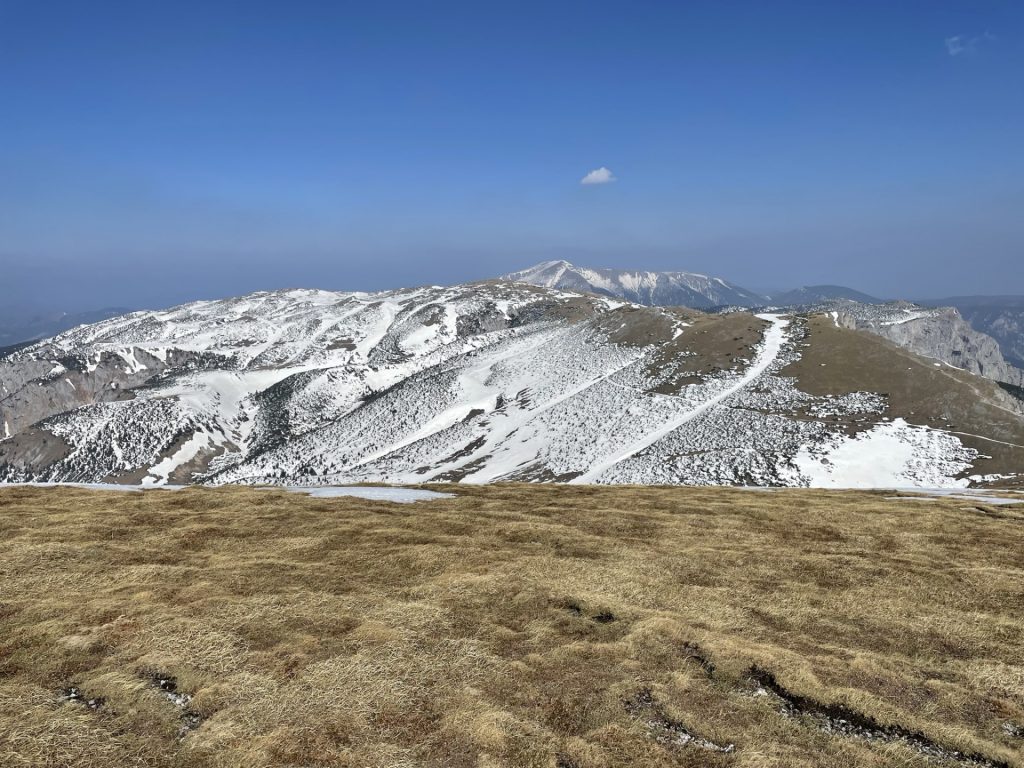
[501, 380]
[956, 337]
[1000, 317]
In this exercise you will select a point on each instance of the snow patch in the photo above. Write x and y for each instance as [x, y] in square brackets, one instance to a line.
[134, 365]
[401, 495]
[909, 315]
[159, 473]
[890, 455]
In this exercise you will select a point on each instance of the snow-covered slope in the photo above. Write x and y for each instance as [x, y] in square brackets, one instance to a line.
[682, 289]
[478, 383]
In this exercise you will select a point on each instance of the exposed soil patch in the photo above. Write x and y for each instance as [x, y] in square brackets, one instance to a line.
[343, 343]
[664, 729]
[601, 617]
[467, 450]
[695, 653]
[637, 326]
[711, 345]
[840, 720]
[574, 608]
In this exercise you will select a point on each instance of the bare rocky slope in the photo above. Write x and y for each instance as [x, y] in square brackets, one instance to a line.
[493, 381]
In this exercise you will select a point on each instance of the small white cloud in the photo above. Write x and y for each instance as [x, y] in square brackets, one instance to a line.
[955, 45]
[600, 176]
[961, 44]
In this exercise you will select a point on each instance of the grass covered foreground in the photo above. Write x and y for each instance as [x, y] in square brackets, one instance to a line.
[513, 625]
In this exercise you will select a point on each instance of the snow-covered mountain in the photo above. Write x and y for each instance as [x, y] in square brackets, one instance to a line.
[491, 381]
[679, 289]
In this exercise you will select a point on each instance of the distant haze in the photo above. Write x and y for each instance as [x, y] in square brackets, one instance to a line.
[152, 153]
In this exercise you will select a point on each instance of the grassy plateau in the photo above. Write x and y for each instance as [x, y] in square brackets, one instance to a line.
[511, 625]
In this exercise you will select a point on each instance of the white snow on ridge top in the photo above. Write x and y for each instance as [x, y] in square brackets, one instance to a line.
[546, 274]
[909, 315]
[268, 329]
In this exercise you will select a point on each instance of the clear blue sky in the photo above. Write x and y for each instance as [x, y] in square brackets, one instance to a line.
[153, 152]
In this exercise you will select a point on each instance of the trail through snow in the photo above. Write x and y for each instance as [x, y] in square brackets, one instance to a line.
[771, 345]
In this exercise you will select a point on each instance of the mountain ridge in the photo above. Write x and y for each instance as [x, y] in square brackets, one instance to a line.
[491, 381]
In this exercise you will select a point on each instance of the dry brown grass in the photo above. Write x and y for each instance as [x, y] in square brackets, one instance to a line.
[342, 632]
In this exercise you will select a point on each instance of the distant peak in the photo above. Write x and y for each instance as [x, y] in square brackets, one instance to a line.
[549, 265]
[640, 286]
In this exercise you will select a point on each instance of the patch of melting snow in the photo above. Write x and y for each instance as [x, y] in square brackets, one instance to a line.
[160, 472]
[401, 495]
[890, 455]
[963, 494]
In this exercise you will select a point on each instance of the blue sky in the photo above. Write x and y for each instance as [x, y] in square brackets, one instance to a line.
[156, 152]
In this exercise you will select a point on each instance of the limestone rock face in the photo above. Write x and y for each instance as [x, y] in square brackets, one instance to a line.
[940, 333]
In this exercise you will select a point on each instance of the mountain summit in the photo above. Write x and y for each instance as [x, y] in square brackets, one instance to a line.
[684, 289]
